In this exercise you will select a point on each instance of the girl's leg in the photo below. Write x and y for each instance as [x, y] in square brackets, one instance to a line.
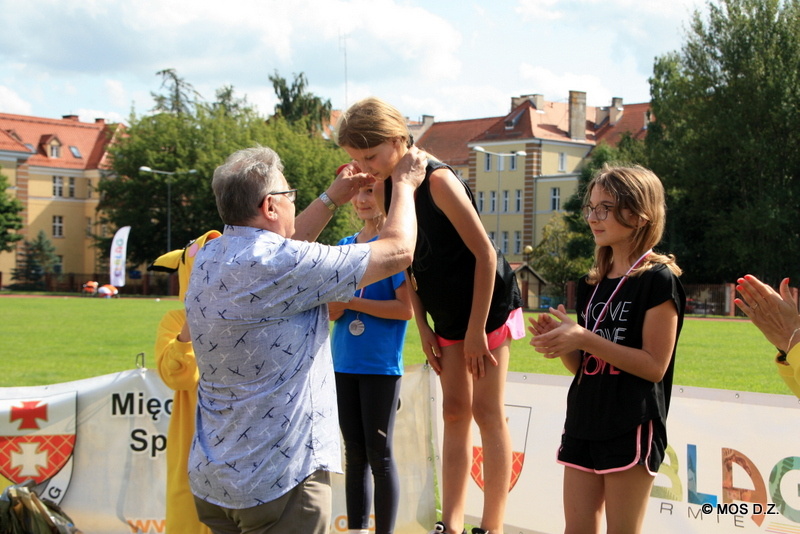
[627, 494]
[488, 407]
[583, 501]
[357, 481]
[379, 394]
[457, 442]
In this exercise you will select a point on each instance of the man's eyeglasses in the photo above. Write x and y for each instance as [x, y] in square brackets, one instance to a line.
[600, 211]
[291, 194]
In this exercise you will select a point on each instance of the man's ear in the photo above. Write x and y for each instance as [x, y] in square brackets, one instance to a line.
[267, 208]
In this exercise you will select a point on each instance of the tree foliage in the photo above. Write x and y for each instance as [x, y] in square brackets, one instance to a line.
[37, 258]
[181, 98]
[552, 260]
[10, 218]
[297, 105]
[201, 140]
[726, 144]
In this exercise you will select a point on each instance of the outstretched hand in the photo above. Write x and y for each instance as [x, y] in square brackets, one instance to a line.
[349, 179]
[775, 314]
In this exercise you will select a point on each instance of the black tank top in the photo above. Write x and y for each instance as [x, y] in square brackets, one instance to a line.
[444, 268]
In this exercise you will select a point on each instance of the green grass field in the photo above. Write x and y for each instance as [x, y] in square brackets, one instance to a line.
[46, 340]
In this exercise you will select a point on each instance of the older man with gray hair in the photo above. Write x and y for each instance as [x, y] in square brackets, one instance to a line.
[267, 433]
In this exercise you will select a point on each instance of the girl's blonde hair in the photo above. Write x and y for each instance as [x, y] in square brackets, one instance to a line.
[640, 191]
[370, 122]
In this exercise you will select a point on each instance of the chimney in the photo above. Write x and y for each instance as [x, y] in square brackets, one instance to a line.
[73, 118]
[536, 100]
[615, 113]
[577, 115]
[100, 121]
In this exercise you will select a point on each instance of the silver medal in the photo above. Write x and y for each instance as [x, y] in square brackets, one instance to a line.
[356, 327]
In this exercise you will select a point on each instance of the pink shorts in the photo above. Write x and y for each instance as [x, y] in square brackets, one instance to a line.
[514, 327]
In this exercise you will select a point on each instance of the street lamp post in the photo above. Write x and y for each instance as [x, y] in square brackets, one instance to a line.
[497, 205]
[170, 174]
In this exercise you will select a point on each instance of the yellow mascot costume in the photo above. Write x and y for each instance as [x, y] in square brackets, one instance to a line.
[178, 369]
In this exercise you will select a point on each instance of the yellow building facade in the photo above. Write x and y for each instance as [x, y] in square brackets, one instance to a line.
[52, 167]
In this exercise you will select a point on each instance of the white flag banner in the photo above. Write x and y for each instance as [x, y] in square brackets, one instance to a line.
[119, 247]
[732, 465]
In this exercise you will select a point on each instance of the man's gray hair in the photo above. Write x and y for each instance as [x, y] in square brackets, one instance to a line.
[243, 181]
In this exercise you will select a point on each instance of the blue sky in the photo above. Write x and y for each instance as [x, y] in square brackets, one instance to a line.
[454, 59]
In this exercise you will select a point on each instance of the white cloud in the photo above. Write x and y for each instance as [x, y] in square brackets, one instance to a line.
[115, 91]
[11, 102]
[539, 10]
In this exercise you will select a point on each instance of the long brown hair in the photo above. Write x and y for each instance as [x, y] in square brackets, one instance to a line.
[370, 122]
[640, 191]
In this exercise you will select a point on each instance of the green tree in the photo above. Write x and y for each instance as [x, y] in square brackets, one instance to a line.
[726, 144]
[37, 258]
[201, 141]
[10, 218]
[297, 105]
[181, 96]
[550, 257]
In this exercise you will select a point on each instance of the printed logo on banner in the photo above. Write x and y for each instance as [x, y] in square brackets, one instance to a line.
[37, 437]
[518, 418]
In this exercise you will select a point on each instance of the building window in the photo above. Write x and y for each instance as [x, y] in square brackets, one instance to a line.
[562, 162]
[504, 249]
[88, 226]
[500, 163]
[72, 188]
[480, 201]
[58, 226]
[506, 201]
[555, 198]
[493, 202]
[58, 186]
[512, 166]
[487, 162]
[88, 189]
[492, 237]
[75, 151]
[518, 200]
[517, 242]
[58, 268]
[55, 150]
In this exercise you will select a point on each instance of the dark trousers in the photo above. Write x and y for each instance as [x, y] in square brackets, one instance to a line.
[367, 409]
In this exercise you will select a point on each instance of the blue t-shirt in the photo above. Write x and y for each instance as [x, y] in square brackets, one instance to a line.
[379, 349]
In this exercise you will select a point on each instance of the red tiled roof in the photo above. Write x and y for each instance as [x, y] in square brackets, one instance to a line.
[90, 139]
[8, 142]
[526, 122]
[634, 120]
[447, 141]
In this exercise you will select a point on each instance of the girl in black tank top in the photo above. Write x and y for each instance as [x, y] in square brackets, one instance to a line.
[466, 286]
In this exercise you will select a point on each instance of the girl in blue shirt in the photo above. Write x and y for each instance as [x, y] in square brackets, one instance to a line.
[367, 346]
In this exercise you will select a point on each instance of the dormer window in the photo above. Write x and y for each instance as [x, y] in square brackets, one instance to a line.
[55, 150]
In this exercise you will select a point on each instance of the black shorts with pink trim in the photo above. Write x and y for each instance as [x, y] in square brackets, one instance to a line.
[644, 445]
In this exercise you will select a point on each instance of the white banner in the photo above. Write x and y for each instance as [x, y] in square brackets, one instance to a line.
[96, 447]
[119, 247]
[730, 454]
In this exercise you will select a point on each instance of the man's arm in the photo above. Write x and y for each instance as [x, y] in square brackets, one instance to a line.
[310, 223]
[394, 249]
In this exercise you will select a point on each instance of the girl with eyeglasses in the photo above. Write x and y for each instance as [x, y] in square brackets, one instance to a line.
[622, 353]
[466, 286]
